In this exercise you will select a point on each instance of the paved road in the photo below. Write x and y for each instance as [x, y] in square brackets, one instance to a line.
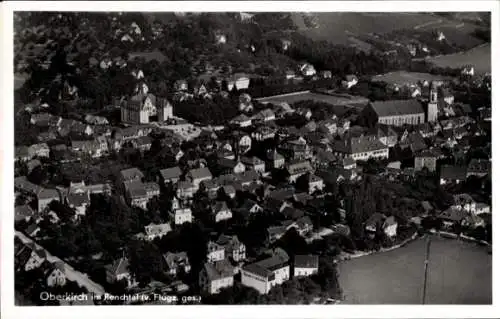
[72, 274]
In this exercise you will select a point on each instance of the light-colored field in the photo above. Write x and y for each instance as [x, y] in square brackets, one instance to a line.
[404, 77]
[19, 80]
[459, 273]
[479, 57]
[334, 100]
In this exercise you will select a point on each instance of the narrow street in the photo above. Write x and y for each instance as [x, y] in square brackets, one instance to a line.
[72, 274]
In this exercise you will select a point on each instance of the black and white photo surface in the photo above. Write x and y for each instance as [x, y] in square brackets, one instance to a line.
[252, 158]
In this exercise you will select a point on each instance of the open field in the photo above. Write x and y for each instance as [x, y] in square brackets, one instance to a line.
[338, 27]
[479, 57]
[343, 100]
[459, 273]
[404, 77]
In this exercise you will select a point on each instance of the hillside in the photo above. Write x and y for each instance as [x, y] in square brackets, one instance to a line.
[344, 27]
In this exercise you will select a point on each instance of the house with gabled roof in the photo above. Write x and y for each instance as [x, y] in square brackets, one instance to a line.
[170, 175]
[234, 248]
[175, 263]
[29, 257]
[215, 276]
[118, 271]
[265, 274]
[221, 212]
[241, 120]
[305, 265]
[197, 175]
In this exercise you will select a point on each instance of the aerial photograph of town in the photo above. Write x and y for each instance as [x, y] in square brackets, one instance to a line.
[251, 158]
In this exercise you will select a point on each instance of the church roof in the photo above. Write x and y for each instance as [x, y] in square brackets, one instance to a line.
[397, 107]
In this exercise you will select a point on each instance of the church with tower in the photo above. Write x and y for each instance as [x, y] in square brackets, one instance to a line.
[145, 108]
[402, 112]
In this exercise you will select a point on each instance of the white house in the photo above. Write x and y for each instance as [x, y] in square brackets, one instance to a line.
[182, 215]
[305, 265]
[390, 226]
[221, 212]
[215, 252]
[153, 231]
[241, 120]
[265, 274]
[350, 81]
[307, 69]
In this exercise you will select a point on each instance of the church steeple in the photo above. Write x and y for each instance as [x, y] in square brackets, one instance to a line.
[432, 106]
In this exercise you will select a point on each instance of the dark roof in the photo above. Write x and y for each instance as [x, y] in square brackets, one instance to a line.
[453, 172]
[47, 193]
[197, 173]
[360, 144]
[169, 173]
[397, 107]
[306, 261]
[219, 269]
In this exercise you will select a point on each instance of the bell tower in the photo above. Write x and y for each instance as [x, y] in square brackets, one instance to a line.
[432, 106]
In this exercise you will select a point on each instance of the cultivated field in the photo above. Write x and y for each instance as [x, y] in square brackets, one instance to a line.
[343, 100]
[404, 77]
[479, 57]
[459, 273]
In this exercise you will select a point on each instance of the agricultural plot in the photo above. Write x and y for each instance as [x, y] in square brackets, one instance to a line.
[479, 57]
[401, 78]
[459, 273]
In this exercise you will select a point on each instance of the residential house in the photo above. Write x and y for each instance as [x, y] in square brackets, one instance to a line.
[29, 257]
[182, 215]
[360, 148]
[238, 81]
[241, 120]
[305, 265]
[262, 133]
[170, 175]
[453, 215]
[387, 135]
[479, 167]
[315, 183]
[274, 233]
[234, 249]
[227, 166]
[325, 74]
[295, 170]
[254, 163]
[197, 175]
[375, 222]
[175, 263]
[118, 271]
[350, 81]
[41, 119]
[265, 274]
[215, 252]
[39, 150]
[275, 160]
[96, 120]
[131, 175]
[23, 213]
[45, 196]
[215, 276]
[426, 159]
[22, 153]
[221, 212]
[142, 143]
[452, 174]
[54, 273]
[390, 227]
[307, 69]
[263, 116]
[185, 190]
[413, 141]
[136, 194]
[153, 231]
[78, 202]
